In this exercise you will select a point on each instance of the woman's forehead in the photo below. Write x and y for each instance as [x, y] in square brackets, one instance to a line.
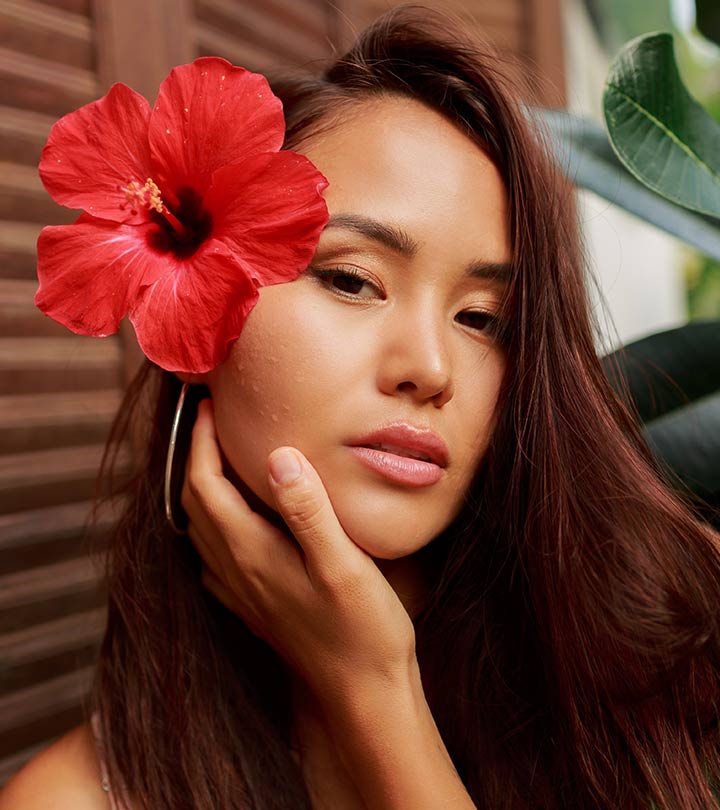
[395, 161]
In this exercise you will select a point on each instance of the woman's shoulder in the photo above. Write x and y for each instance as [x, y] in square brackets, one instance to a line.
[66, 774]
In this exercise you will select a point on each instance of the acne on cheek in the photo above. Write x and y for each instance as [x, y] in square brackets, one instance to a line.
[253, 418]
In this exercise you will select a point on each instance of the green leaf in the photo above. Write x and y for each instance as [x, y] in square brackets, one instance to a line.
[687, 441]
[673, 380]
[584, 153]
[666, 371]
[658, 131]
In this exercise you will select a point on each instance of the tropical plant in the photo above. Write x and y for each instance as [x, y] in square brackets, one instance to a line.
[660, 160]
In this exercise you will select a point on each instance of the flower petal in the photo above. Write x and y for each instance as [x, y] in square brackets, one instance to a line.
[271, 210]
[90, 273]
[187, 319]
[94, 152]
[208, 114]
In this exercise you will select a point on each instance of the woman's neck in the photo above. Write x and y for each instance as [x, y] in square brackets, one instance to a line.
[407, 579]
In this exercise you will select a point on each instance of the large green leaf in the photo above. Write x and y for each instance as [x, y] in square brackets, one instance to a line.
[666, 371]
[661, 134]
[687, 442]
[673, 380]
[584, 153]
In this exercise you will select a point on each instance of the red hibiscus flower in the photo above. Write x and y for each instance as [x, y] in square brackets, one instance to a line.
[189, 207]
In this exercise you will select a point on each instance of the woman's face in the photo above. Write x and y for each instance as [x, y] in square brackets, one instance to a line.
[386, 340]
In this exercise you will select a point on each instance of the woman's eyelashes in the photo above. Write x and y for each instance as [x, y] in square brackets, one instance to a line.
[349, 282]
[478, 320]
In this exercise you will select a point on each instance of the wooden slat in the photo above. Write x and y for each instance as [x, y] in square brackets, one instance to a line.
[52, 597]
[83, 7]
[480, 12]
[510, 40]
[503, 23]
[306, 16]
[23, 133]
[15, 294]
[33, 714]
[53, 534]
[43, 651]
[11, 765]
[38, 526]
[546, 51]
[139, 41]
[43, 421]
[50, 477]
[33, 643]
[210, 42]
[252, 23]
[22, 195]
[19, 317]
[28, 82]
[30, 365]
[40, 30]
[47, 592]
[501, 12]
[17, 249]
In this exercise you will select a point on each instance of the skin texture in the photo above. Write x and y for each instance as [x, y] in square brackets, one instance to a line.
[314, 370]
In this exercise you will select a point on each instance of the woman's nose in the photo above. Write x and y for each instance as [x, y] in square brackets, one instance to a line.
[415, 359]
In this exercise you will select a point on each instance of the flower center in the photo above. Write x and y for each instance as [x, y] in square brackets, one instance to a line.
[148, 196]
[184, 229]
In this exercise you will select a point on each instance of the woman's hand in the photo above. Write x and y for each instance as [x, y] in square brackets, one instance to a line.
[323, 605]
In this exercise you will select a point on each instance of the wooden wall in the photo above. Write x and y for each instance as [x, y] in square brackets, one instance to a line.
[58, 391]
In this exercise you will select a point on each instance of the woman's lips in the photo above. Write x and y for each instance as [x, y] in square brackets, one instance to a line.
[404, 453]
[410, 472]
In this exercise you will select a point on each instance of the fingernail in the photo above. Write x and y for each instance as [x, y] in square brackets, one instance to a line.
[285, 466]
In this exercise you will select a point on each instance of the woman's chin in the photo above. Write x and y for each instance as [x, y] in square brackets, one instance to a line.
[379, 532]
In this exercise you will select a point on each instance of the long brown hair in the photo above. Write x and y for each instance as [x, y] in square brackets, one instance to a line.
[576, 595]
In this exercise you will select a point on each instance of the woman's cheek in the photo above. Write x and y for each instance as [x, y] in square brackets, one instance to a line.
[253, 416]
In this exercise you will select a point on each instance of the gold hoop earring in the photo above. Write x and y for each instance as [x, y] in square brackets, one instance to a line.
[170, 456]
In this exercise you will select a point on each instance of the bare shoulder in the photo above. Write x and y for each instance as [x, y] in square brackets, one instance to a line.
[66, 774]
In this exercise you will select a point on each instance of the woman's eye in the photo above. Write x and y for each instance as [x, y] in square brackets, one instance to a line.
[347, 282]
[481, 321]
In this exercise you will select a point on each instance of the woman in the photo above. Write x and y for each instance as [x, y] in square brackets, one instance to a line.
[432, 561]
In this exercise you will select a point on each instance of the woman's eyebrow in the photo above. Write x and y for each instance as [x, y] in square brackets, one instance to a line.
[399, 241]
[492, 271]
[388, 235]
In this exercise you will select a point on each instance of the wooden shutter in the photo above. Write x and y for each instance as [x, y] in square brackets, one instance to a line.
[527, 32]
[58, 394]
[262, 35]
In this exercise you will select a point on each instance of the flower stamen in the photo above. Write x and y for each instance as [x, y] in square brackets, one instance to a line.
[148, 196]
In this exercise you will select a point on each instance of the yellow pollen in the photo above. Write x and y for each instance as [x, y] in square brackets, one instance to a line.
[147, 195]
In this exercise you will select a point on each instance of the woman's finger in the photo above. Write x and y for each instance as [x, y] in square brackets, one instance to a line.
[305, 506]
[204, 474]
[228, 534]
